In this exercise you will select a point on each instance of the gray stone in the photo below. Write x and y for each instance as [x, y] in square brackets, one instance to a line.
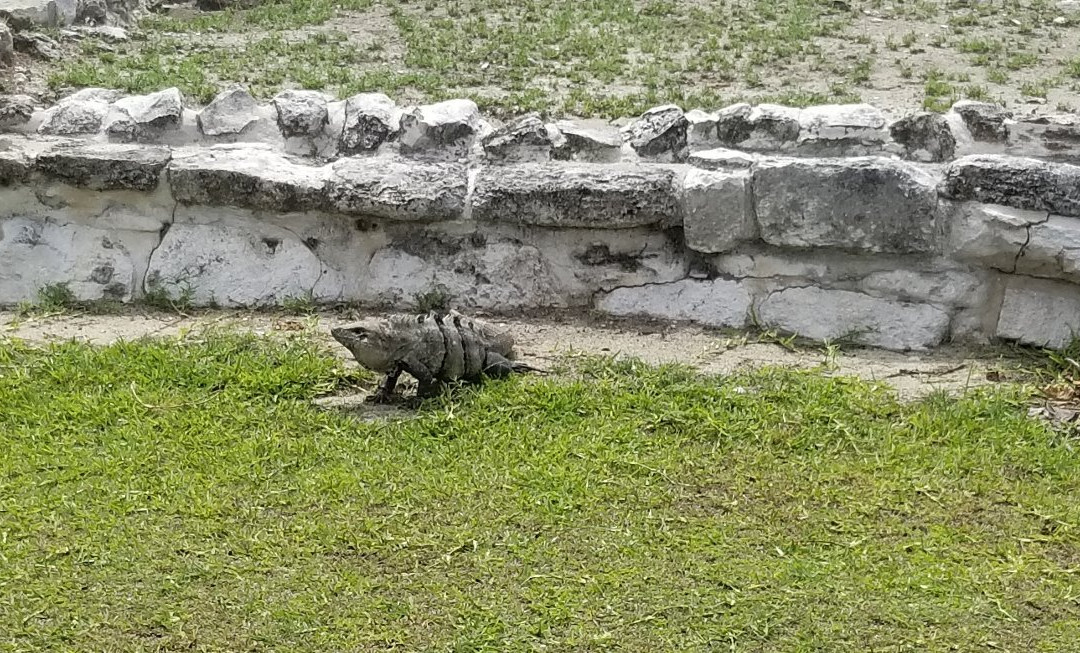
[28, 14]
[15, 166]
[1055, 136]
[721, 159]
[397, 189]
[74, 118]
[301, 113]
[926, 136]
[716, 302]
[589, 140]
[660, 133]
[7, 46]
[577, 195]
[15, 110]
[108, 33]
[105, 166]
[867, 204]
[448, 128]
[985, 121]
[701, 129]
[36, 253]
[145, 118]
[1052, 249]
[991, 235]
[766, 127]
[1018, 182]
[820, 314]
[231, 112]
[92, 12]
[943, 287]
[93, 94]
[525, 139]
[717, 210]
[232, 263]
[841, 129]
[371, 119]
[247, 177]
[37, 46]
[1040, 312]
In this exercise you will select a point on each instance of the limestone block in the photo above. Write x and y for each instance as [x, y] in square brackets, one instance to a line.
[701, 129]
[766, 127]
[722, 159]
[868, 204]
[446, 128]
[397, 189]
[717, 210]
[246, 176]
[991, 235]
[145, 118]
[1053, 136]
[985, 121]
[230, 113]
[371, 119]
[716, 302]
[942, 287]
[925, 136]
[821, 314]
[1019, 182]
[301, 113]
[74, 118]
[524, 139]
[15, 110]
[660, 134]
[106, 166]
[577, 195]
[841, 130]
[594, 141]
[1040, 312]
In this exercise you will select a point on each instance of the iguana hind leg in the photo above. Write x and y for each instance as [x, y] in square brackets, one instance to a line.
[497, 366]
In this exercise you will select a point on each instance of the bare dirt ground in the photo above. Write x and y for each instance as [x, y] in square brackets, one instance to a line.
[541, 341]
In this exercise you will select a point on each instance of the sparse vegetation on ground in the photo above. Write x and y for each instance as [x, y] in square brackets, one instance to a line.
[606, 58]
[185, 493]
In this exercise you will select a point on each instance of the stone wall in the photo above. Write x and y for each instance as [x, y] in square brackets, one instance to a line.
[831, 222]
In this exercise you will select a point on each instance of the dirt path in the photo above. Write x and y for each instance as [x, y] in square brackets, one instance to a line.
[542, 340]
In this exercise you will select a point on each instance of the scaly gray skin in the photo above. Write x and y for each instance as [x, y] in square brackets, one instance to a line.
[434, 348]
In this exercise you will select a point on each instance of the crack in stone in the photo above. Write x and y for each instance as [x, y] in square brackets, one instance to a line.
[1027, 241]
[161, 239]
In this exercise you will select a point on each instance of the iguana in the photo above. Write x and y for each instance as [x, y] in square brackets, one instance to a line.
[435, 348]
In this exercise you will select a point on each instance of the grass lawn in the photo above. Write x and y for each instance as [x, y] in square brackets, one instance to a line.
[187, 495]
[607, 58]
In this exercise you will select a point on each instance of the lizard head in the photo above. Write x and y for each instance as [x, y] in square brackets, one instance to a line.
[371, 343]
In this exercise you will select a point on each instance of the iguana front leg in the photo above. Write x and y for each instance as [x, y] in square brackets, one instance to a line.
[385, 391]
[427, 384]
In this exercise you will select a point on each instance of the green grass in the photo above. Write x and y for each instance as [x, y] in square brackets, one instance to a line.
[186, 495]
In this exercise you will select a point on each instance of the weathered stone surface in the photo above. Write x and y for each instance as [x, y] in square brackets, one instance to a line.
[143, 118]
[1055, 136]
[525, 139]
[701, 129]
[577, 195]
[238, 264]
[15, 110]
[231, 112]
[589, 140]
[248, 177]
[93, 94]
[869, 204]
[721, 159]
[301, 113]
[92, 12]
[926, 136]
[27, 14]
[371, 119]
[717, 210]
[985, 121]
[7, 46]
[397, 189]
[1018, 182]
[15, 166]
[716, 302]
[766, 127]
[1052, 249]
[991, 235]
[1040, 312]
[38, 253]
[821, 314]
[106, 166]
[74, 118]
[841, 129]
[660, 133]
[37, 46]
[448, 128]
[943, 287]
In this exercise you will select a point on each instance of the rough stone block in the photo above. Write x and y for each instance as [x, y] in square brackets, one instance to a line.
[577, 195]
[1055, 136]
[716, 302]
[869, 204]
[701, 129]
[7, 46]
[660, 134]
[36, 253]
[766, 127]
[943, 287]
[525, 139]
[74, 118]
[821, 314]
[722, 159]
[15, 166]
[718, 211]
[446, 128]
[595, 141]
[371, 119]
[15, 110]
[301, 113]
[991, 235]
[248, 177]
[985, 121]
[230, 113]
[145, 118]
[1040, 312]
[925, 136]
[1052, 249]
[397, 189]
[106, 166]
[841, 129]
[1018, 182]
